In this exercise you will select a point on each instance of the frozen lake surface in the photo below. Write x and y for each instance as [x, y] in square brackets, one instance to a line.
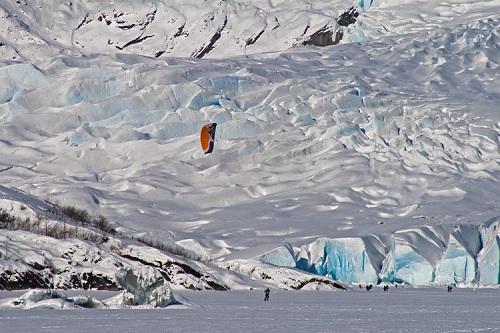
[399, 310]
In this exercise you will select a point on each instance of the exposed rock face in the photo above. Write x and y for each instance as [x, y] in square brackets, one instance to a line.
[348, 17]
[333, 34]
[15, 280]
[324, 37]
[209, 46]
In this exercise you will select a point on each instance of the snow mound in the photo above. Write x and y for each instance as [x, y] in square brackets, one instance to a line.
[51, 299]
[283, 277]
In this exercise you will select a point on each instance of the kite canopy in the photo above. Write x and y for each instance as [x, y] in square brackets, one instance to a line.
[207, 137]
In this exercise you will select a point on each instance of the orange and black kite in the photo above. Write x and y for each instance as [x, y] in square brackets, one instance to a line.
[207, 137]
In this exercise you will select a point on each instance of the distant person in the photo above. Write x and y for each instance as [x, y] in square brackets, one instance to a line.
[266, 294]
[386, 288]
[450, 289]
[360, 286]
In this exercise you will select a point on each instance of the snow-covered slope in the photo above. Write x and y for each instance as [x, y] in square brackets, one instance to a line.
[186, 28]
[41, 247]
[394, 132]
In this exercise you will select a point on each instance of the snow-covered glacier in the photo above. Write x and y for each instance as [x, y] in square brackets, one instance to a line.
[381, 153]
[463, 255]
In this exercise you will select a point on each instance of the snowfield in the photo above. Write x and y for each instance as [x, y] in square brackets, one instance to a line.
[376, 159]
[401, 310]
[41, 29]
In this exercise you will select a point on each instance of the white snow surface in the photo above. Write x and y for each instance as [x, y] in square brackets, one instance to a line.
[83, 257]
[183, 28]
[396, 130]
[407, 310]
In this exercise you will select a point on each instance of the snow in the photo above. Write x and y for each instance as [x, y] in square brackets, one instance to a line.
[282, 277]
[159, 29]
[30, 260]
[50, 299]
[411, 310]
[373, 160]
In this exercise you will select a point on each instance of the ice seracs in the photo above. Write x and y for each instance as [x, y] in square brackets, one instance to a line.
[343, 259]
[464, 255]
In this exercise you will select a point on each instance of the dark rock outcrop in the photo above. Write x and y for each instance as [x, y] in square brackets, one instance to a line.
[332, 35]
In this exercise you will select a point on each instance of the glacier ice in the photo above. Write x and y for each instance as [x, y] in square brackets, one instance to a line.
[439, 255]
[50, 299]
[343, 259]
[409, 267]
[144, 286]
[280, 257]
[457, 265]
[488, 261]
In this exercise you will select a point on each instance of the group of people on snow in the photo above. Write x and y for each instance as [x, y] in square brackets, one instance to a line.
[368, 287]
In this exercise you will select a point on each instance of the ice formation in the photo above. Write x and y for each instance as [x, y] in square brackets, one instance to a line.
[463, 255]
[51, 299]
[144, 286]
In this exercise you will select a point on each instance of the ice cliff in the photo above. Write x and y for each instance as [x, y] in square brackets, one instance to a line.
[430, 255]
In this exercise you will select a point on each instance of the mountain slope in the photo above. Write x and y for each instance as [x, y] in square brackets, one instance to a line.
[167, 28]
